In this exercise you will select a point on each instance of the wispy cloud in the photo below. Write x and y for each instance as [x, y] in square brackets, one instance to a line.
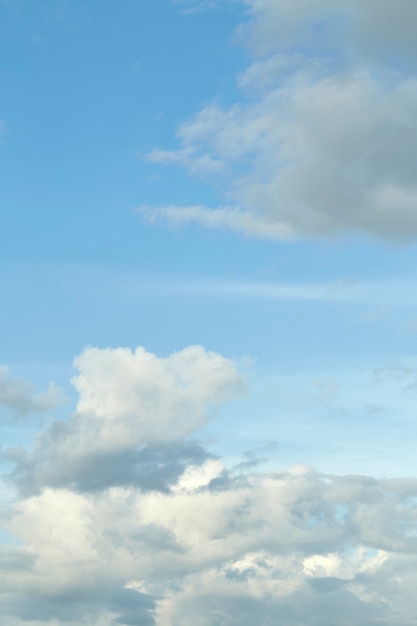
[193, 6]
[387, 293]
[93, 282]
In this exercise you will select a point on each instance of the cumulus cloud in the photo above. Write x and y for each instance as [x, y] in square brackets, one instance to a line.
[136, 397]
[154, 530]
[293, 547]
[324, 138]
[133, 415]
[18, 397]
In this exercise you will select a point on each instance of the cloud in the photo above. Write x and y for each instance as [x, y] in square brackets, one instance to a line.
[18, 397]
[136, 397]
[134, 413]
[149, 467]
[194, 6]
[134, 523]
[405, 374]
[375, 28]
[225, 217]
[385, 293]
[296, 546]
[323, 139]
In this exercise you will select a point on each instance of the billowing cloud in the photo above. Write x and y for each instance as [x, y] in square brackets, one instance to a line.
[136, 394]
[298, 547]
[133, 413]
[324, 137]
[154, 530]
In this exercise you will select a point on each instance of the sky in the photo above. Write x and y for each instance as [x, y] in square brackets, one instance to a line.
[208, 327]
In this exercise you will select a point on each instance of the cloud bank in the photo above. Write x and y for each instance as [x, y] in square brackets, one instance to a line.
[121, 518]
[324, 138]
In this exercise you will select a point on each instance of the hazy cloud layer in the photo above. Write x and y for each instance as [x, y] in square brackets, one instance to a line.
[324, 138]
[153, 530]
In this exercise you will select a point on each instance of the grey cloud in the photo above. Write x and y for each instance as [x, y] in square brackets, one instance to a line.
[137, 608]
[328, 584]
[319, 154]
[296, 547]
[152, 467]
[154, 537]
[14, 558]
[136, 619]
[323, 141]
[18, 397]
[324, 608]
[133, 415]
[234, 610]
[380, 29]
[133, 607]
[161, 533]
[314, 606]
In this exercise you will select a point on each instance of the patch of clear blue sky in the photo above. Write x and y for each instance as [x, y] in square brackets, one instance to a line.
[86, 89]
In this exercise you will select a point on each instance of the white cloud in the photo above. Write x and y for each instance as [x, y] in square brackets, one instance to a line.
[135, 397]
[294, 547]
[195, 477]
[225, 217]
[193, 6]
[386, 294]
[323, 142]
[132, 418]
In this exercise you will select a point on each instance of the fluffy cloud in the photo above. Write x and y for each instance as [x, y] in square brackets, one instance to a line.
[297, 547]
[133, 412]
[155, 531]
[324, 138]
[136, 394]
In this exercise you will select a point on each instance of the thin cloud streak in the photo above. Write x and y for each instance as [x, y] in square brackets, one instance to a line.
[95, 283]
[390, 293]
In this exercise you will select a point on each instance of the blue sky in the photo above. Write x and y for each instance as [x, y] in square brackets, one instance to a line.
[239, 176]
